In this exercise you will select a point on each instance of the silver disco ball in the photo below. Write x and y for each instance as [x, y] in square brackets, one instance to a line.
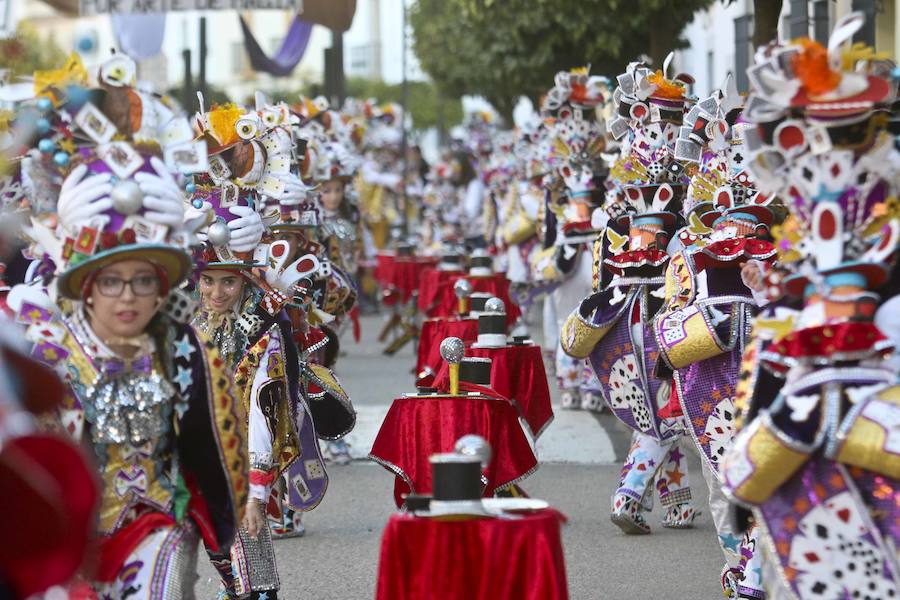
[462, 288]
[453, 349]
[494, 305]
[475, 445]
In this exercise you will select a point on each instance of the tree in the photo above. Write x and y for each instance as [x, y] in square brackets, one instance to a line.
[765, 21]
[503, 50]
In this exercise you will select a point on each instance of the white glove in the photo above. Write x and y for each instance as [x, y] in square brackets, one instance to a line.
[294, 191]
[246, 231]
[163, 197]
[81, 199]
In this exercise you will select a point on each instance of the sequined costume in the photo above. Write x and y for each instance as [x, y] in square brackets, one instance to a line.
[163, 427]
[703, 327]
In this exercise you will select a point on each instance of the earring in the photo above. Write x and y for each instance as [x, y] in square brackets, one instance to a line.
[89, 301]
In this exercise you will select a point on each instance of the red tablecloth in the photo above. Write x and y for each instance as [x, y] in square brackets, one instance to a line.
[517, 373]
[473, 559]
[402, 274]
[433, 333]
[432, 284]
[417, 427]
[441, 300]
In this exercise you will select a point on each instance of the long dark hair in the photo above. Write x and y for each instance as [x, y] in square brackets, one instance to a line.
[466, 169]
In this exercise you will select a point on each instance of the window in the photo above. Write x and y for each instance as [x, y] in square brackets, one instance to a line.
[821, 26]
[743, 49]
[799, 19]
[866, 34]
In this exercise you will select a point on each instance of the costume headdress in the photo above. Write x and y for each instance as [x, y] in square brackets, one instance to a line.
[649, 114]
[822, 147]
[112, 156]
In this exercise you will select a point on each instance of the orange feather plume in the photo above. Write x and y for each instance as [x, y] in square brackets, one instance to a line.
[812, 68]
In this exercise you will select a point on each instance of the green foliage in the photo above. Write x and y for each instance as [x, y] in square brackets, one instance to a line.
[427, 108]
[502, 50]
[27, 52]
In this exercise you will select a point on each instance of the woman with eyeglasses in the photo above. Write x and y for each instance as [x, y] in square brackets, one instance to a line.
[148, 396]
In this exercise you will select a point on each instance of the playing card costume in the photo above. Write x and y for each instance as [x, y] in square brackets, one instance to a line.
[814, 457]
[612, 327]
[162, 424]
[577, 136]
[703, 327]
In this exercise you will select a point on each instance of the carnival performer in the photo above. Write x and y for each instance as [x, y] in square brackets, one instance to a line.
[570, 198]
[516, 232]
[818, 397]
[293, 217]
[702, 328]
[612, 327]
[146, 393]
[342, 235]
[233, 311]
[380, 182]
[241, 315]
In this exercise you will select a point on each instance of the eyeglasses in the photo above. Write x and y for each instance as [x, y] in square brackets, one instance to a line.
[142, 285]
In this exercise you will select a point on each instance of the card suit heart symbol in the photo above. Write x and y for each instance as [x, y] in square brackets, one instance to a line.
[844, 515]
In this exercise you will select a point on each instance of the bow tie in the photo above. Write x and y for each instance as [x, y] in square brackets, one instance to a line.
[113, 367]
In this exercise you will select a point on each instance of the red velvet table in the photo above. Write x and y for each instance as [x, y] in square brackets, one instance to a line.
[417, 427]
[438, 298]
[473, 559]
[432, 285]
[433, 333]
[517, 373]
[402, 274]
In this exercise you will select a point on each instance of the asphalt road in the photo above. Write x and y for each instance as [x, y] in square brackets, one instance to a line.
[580, 458]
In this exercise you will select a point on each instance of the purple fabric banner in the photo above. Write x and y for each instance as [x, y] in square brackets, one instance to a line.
[288, 55]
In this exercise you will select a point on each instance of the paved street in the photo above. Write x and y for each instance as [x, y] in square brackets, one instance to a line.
[580, 456]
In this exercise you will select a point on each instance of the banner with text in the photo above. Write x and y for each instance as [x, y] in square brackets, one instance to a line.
[140, 7]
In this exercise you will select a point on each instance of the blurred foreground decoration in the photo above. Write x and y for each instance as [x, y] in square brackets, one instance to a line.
[27, 51]
[333, 14]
